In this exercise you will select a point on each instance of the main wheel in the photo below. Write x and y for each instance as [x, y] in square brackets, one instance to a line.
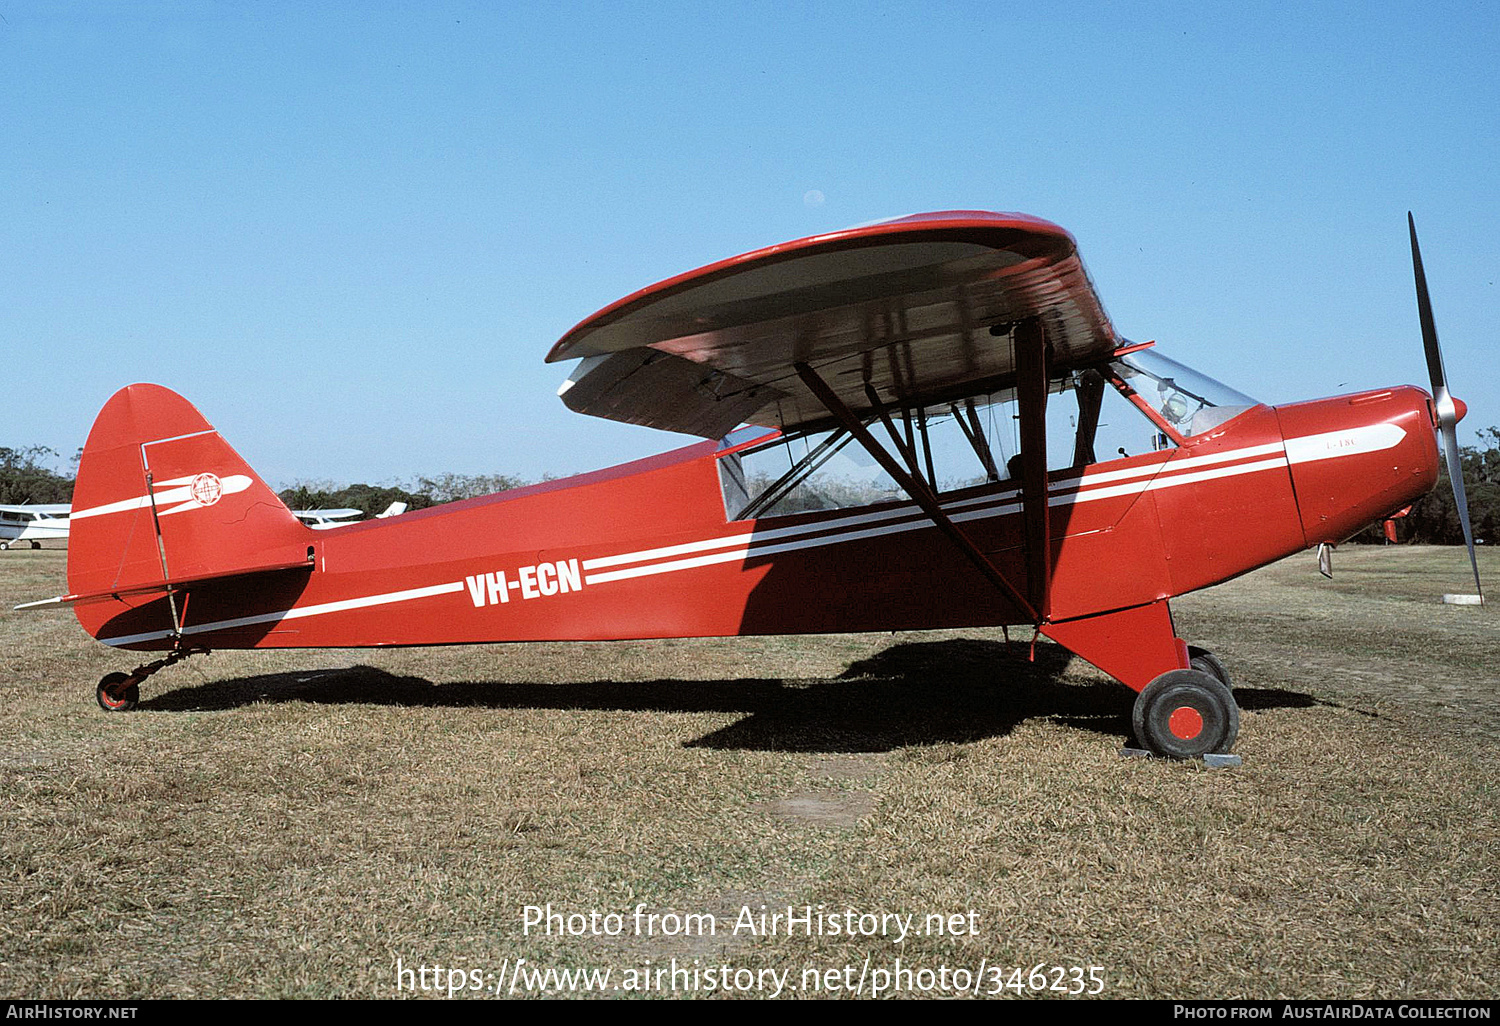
[117, 693]
[1186, 714]
[1203, 659]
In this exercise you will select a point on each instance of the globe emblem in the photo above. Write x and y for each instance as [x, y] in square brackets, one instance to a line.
[206, 489]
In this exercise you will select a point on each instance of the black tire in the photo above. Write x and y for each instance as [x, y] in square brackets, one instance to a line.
[1203, 659]
[114, 696]
[1186, 714]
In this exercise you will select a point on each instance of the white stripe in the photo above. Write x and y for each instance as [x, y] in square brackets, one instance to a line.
[757, 550]
[113, 507]
[1087, 481]
[231, 485]
[897, 513]
[1298, 450]
[1166, 481]
[1168, 466]
[1350, 442]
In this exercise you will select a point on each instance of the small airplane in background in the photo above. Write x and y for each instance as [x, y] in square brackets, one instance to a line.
[925, 409]
[323, 519]
[34, 523]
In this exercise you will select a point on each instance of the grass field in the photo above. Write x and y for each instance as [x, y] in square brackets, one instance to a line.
[292, 824]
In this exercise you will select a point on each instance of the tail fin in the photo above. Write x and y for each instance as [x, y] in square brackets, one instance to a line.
[161, 498]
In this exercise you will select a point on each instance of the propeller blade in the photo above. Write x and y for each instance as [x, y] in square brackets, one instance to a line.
[1456, 478]
[1447, 410]
[1435, 372]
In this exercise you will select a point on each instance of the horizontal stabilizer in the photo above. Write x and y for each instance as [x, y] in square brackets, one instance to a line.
[158, 587]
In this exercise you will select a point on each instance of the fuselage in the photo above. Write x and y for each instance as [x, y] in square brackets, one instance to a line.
[646, 549]
[42, 523]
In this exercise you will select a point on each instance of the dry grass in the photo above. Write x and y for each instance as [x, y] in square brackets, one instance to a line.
[289, 824]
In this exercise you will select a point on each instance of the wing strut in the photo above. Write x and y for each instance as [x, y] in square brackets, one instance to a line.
[974, 432]
[916, 488]
[1090, 389]
[904, 448]
[1031, 399]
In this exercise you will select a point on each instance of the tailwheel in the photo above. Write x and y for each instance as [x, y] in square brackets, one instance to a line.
[1186, 714]
[118, 692]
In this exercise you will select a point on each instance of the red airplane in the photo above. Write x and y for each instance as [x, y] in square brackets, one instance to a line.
[950, 334]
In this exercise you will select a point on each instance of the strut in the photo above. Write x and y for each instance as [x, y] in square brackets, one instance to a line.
[920, 492]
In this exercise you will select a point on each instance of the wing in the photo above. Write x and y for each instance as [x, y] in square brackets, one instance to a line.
[327, 514]
[918, 309]
[54, 509]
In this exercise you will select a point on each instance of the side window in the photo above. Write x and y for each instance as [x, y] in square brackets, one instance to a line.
[827, 470]
[1087, 422]
[1123, 429]
[959, 445]
[1137, 404]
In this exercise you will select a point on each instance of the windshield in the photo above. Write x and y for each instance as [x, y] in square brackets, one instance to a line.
[1191, 403]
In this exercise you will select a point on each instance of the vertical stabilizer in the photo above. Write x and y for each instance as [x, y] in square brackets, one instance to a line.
[161, 497]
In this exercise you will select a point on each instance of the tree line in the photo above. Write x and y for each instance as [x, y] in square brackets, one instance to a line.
[27, 477]
[1433, 519]
[373, 499]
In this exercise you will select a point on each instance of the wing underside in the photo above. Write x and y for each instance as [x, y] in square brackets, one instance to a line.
[902, 313]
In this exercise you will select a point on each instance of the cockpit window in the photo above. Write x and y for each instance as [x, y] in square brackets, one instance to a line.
[1190, 403]
[974, 442]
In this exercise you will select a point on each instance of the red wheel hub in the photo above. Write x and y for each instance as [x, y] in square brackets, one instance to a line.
[1185, 722]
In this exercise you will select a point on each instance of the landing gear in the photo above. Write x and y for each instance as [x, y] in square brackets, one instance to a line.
[1186, 714]
[120, 692]
[1203, 659]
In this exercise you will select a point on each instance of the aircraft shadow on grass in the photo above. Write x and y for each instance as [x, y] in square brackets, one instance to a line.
[914, 693]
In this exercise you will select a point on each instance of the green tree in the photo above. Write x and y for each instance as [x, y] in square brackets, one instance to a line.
[373, 499]
[369, 499]
[452, 487]
[1433, 519]
[24, 477]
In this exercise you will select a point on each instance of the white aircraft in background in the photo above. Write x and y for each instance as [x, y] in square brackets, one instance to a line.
[33, 523]
[36, 522]
[325, 519]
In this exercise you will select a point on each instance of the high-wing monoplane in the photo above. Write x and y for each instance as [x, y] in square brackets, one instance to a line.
[33, 523]
[323, 519]
[923, 423]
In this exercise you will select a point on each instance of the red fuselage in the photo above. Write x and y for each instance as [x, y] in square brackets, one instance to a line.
[644, 550]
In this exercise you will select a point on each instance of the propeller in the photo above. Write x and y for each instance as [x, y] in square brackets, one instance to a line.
[1449, 410]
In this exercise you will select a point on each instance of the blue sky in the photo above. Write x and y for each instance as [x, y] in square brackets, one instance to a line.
[350, 232]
